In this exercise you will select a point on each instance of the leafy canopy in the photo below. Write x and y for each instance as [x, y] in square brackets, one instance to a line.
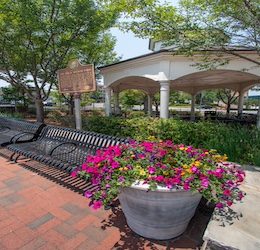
[40, 36]
[197, 25]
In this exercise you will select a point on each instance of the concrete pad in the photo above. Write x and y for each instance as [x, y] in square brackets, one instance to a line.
[240, 228]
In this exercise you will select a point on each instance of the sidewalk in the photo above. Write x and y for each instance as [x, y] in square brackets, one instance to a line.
[36, 213]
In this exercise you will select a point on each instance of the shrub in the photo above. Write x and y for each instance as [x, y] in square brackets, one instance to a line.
[241, 144]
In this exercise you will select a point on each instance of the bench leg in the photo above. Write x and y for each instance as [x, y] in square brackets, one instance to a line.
[11, 157]
[16, 158]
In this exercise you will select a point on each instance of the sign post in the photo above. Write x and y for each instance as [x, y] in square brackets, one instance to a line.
[77, 111]
[74, 80]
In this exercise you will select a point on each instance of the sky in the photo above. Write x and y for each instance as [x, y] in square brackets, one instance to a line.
[128, 45]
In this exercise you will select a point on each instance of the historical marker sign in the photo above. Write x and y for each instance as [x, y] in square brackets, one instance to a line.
[77, 78]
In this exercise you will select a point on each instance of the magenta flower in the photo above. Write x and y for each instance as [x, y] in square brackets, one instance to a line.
[227, 192]
[229, 203]
[151, 170]
[159, 178]
[121, 179]
[204, 182]
[219, 205]
[97, 204]
[74, 174]
[88, 194]
[115, 164]
[194, 169]
[186, 186]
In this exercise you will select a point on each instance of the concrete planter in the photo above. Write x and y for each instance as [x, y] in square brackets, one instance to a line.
[161, 214]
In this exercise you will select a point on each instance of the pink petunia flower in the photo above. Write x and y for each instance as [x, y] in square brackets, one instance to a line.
[97, 204]
[227, 192]
[204, 182]
[88, 194]
[219, 205]
[74, 174]
[151, 170]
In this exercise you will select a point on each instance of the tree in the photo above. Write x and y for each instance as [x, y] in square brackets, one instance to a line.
[228, 97]
[38, 37]
[202, 25]
[16, 95]
[178, 97]
[131, 97]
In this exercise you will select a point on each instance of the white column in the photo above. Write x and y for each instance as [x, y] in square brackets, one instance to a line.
[164, 99]
[240, 103]
[108, 101]
[150, 103]
[192, 113]
[116, 103]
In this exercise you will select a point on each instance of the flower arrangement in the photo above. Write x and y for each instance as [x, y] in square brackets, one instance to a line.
[161, 164]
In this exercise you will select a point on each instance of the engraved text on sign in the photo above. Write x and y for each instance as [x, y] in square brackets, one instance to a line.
[78, 79]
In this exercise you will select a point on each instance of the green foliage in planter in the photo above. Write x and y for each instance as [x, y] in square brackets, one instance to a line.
[241, 144]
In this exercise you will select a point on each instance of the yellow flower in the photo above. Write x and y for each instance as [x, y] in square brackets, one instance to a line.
[120, 169]
[142, 172]
[151, 138]
[188, 171]
[165, 173]
[197, 163]
[185, 166]
[181, 148]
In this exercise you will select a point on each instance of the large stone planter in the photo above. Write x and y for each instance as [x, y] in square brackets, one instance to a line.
[161, 214]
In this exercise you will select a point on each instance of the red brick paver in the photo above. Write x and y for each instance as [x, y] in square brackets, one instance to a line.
[36, 213]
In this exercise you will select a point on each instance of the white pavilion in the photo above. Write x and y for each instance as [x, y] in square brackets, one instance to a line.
[163, 71]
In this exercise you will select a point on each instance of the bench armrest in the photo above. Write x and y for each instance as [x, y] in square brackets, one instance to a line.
[63, 143]
[4, 129]
[16, 137]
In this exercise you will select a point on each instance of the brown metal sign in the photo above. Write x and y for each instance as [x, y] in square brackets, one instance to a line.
[76, 78]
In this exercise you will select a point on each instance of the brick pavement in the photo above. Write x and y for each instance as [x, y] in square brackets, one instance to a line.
[36, 213]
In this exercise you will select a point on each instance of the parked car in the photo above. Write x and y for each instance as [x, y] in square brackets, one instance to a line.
[205, 106]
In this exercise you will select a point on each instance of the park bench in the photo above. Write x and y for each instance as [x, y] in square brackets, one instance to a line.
[63, 148]
[15, 131]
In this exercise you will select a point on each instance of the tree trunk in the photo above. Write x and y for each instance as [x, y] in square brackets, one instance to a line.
[156, 104]
[258, 118]
[228, 108]
[39, 110]
[15, 106]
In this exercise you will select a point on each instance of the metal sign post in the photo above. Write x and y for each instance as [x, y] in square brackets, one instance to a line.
[77, 107]
[74, 80]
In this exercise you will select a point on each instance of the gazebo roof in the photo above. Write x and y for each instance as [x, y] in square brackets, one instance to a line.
[172, 51]
[145, 72]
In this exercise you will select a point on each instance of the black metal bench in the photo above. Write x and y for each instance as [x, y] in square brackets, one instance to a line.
[15, 131]
[63, 148]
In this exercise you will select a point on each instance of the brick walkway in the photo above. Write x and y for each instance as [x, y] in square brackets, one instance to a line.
[36, 213]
